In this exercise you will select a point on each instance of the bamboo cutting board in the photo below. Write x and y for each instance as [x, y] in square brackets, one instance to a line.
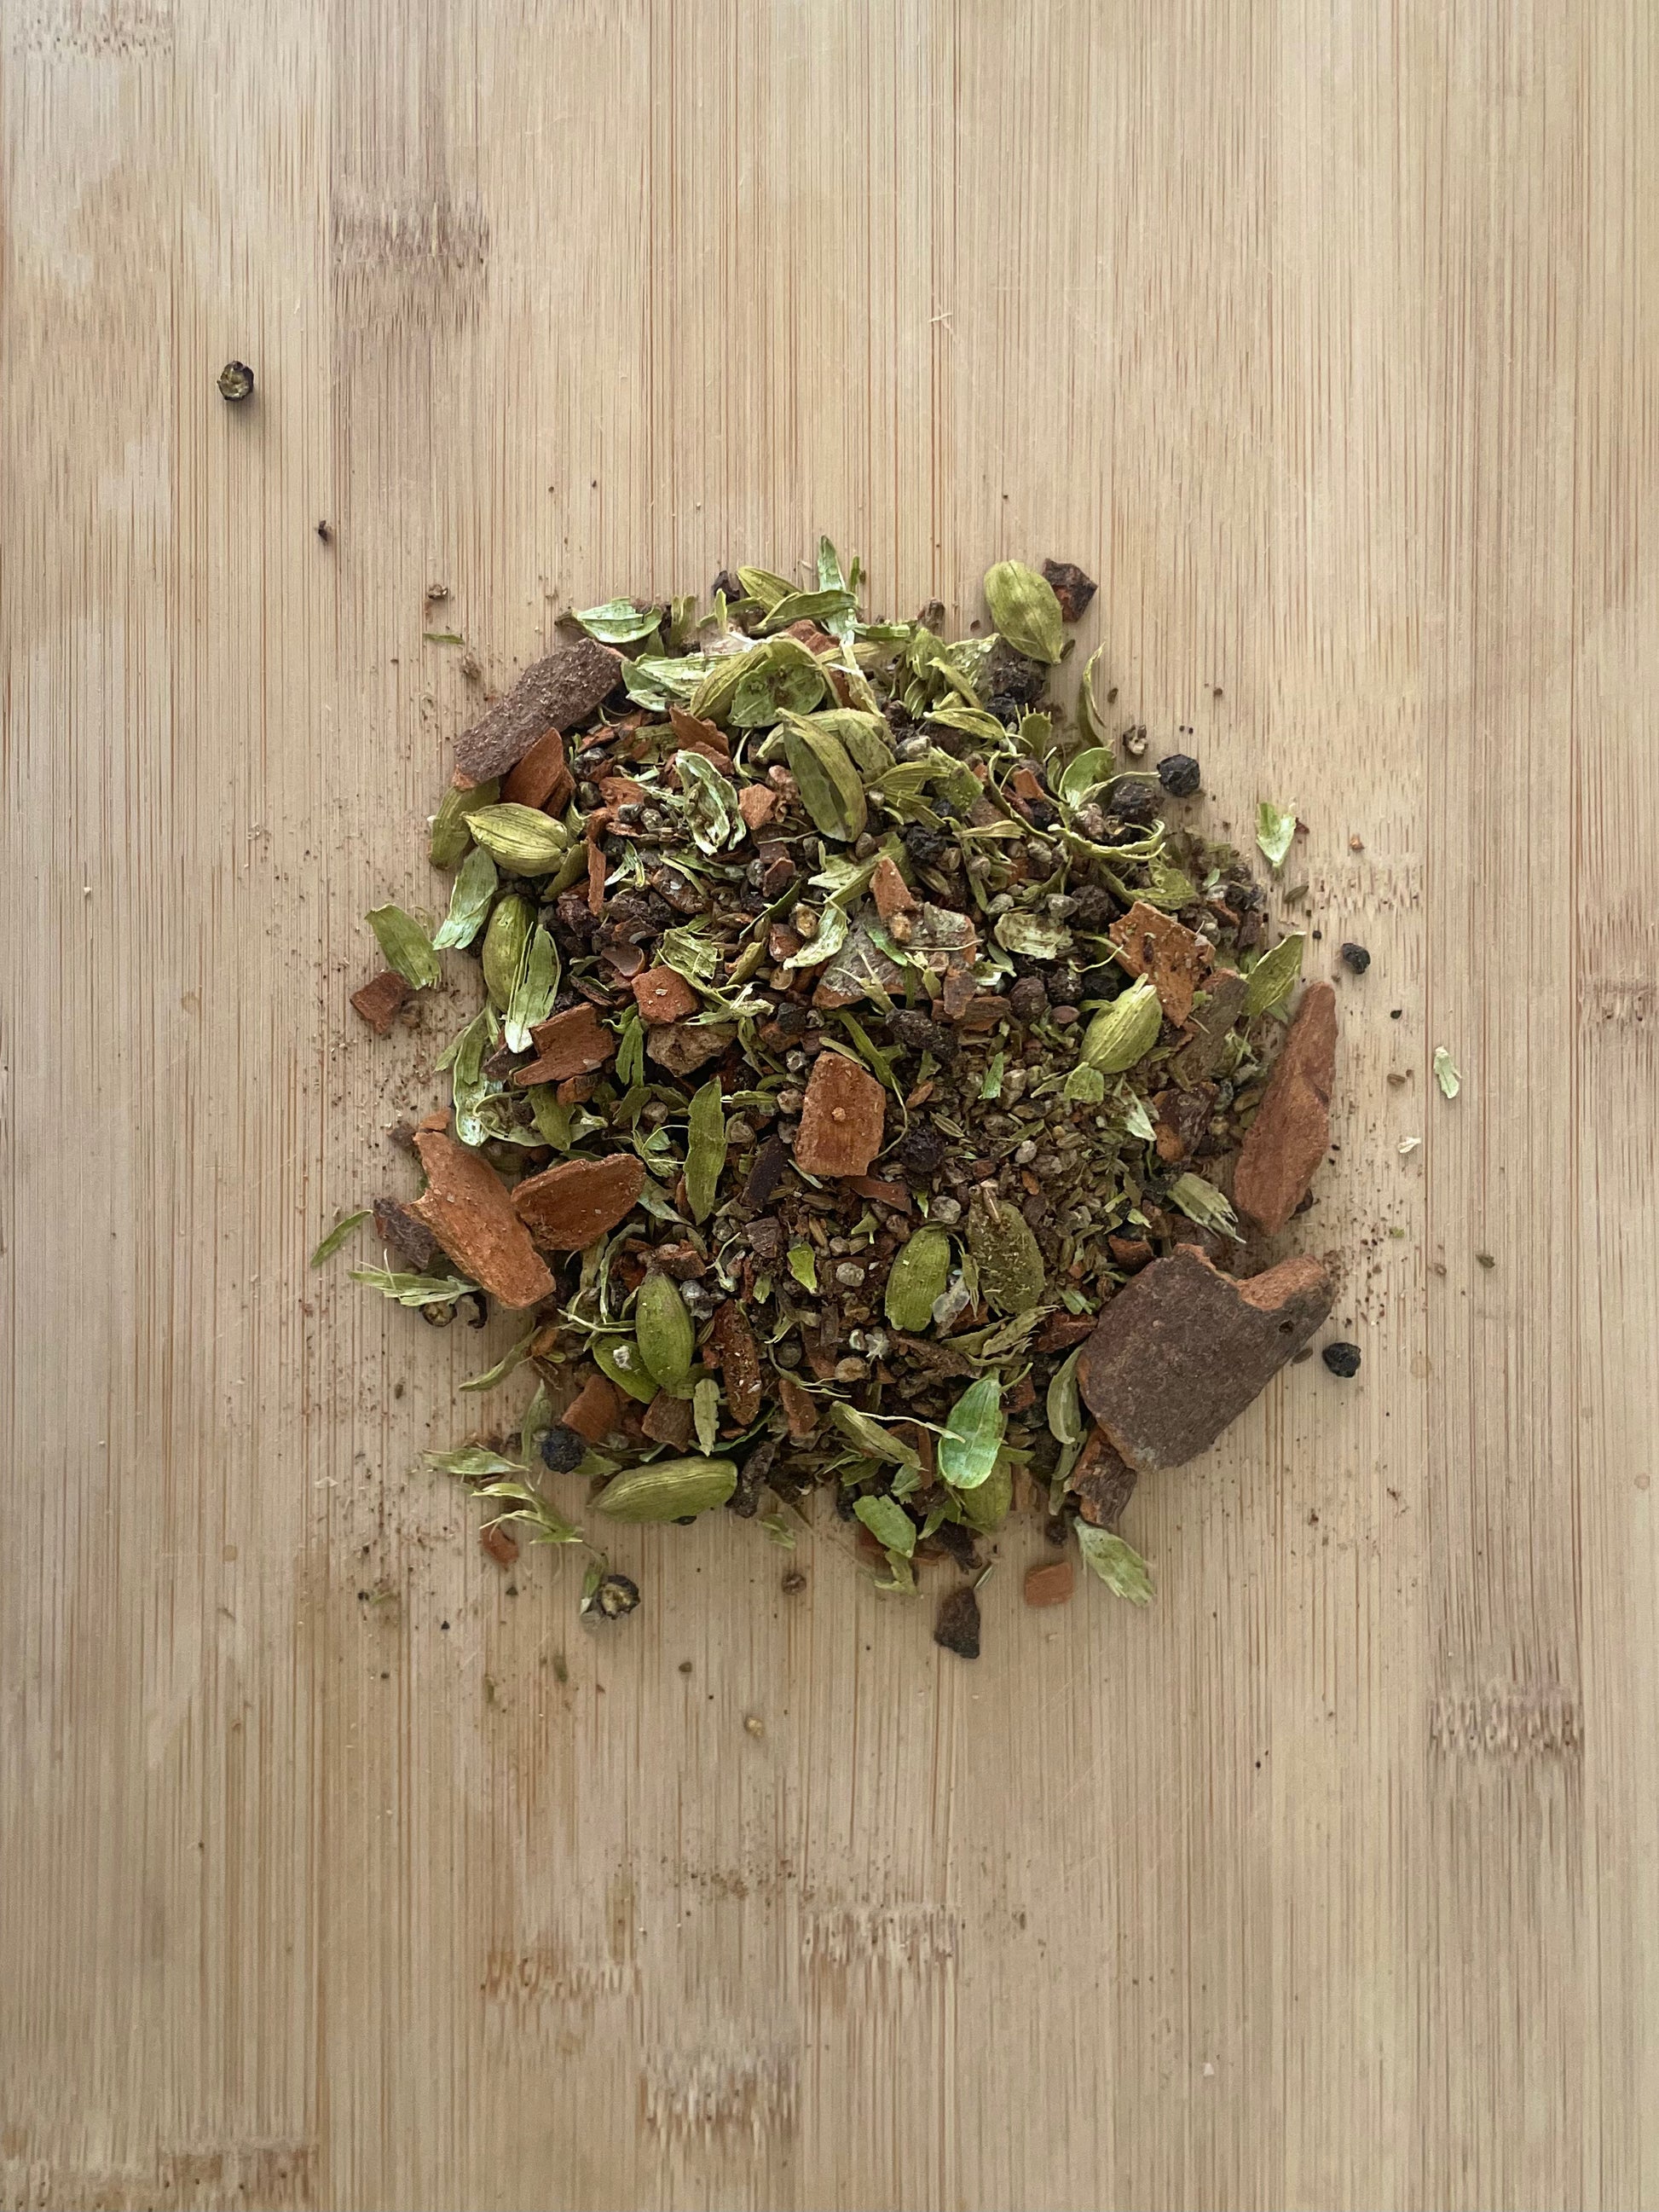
[335, 1873]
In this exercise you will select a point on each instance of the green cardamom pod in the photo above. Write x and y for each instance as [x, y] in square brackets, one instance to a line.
[987, 1508]
[406, 946]
[621, 1359]
[504, 942]
[831, 789]
[1010, 1270]
[711, 700]
[451, 826]
[865, 739]
[668, 1489]
[1025, 610]
[918, 1275]
[1125, 1031]
[705, 1150]
[667, 1340]
[522, 838]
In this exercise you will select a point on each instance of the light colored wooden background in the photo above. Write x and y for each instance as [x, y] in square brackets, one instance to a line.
[1326, 338]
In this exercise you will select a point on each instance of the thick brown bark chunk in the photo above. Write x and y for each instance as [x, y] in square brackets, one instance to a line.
[381, 1001]
[1070, 586]
[568, 1208]
[1177, 960]
[552, 693]
[662, 995]
[1286, 1141]
[733, 1345]
[670, 1421]
[572, 1044]
[405, 1233]
[842, 1120]
[1207, 1027]
[1181, 1350]
[594, 1410]
[1102, 1480]
[540, 775]
[466, 1207]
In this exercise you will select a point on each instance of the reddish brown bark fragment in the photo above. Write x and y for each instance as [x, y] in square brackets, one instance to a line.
[568, 1208]
[622, 790]
[538, 775]
[496, 1543]
[1177, 960]
[738, 1356]
[1102, 1481]
[574, 1042]
[466, 1207]
[670, 1421]
[691, 730]
[1061, 1331]
[1285, 1143]
[1051, 1584]
[891, 894]
[842, 1120]
[594, 1411]
[1182, 1349]
[576, 1089]
[800, 1409]
[1070, 586]
[552, 693]
[663, 996]
[596, 874]
[757, 806]
[380, 1002]
[896, 1194]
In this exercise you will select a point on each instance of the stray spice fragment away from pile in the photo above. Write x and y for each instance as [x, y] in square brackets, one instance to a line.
[866, 1087]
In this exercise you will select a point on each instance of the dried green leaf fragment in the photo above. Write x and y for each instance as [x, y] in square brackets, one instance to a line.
[338, 1236]
[706, 1412]
[1275, 826]
[1200, 1201]
[872, 1436]
[414, 1290]
[1119, 1566]
[1445, 1073]
[619, 622]
[506, 939]
[1011, 1271]
[831, 789]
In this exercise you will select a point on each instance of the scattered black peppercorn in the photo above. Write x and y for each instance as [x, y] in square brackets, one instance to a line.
[1342, 1359]
[325, 531]
[1179, 774]
[563, 1450]
[957, 1627]
[1356, 958]
[613, 1596]
[236, 380]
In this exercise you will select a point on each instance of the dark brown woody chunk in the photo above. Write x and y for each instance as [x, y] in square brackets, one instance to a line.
[1286, 1141]
[466, 1207]
[1103, 1482]
[405, 1233]
[1177, 960]
[1181, 1350]
[732, 1345]
[842, 1120]
[568, 1208]
[552, 693]
[956, 1626]
[380, 1002]
[1070, 586]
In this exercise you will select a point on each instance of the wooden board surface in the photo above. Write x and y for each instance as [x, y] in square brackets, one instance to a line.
[335, 1875]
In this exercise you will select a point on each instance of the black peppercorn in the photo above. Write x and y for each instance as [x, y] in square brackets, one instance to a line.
[563, 1450]
[1132, 799]
[236, 380]
[1356, 958]
[1342, 1359]
[1179, 774]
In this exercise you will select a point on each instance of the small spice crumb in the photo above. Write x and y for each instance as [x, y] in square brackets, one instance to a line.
[754, 1724]
[1485, 1259]
[793, 1583]
[236, 380]
[1356, 844]
[1342, 1359]
[1356, 958]
[685, 1666]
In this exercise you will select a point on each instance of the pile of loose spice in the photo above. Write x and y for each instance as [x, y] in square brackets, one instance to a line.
[876, 1089]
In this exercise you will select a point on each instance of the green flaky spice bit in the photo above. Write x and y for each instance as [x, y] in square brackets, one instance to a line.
[814, 1091]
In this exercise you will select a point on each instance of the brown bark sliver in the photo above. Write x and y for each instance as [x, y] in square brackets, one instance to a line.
[466, 1207]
